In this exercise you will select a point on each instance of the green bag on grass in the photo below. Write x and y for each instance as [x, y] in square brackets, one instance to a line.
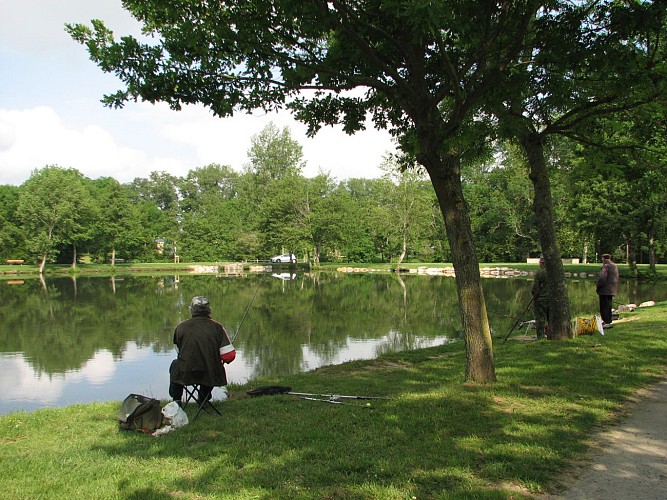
[140, 413]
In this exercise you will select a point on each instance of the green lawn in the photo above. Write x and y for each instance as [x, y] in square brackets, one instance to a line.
[436, 438]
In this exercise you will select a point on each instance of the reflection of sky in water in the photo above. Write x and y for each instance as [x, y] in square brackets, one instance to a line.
[140, 371]
[360, 349]
[101, 378]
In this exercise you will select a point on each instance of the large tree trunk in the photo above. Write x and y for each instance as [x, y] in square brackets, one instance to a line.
[560, 320]
[446, 179]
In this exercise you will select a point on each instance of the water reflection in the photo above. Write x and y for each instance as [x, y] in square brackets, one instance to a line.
[66, 340]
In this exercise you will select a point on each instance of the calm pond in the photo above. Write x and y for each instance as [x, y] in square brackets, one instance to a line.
[68, 340]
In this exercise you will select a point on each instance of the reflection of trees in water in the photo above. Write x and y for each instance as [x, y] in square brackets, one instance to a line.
[325, 312]
[61, 327]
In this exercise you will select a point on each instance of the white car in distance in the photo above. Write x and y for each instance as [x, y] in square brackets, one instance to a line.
[286, 257]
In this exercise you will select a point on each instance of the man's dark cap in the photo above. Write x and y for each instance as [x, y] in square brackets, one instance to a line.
[200, 306]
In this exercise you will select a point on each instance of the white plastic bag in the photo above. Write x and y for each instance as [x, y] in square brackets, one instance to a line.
[598, 319]
[163, 430]
[223, 395]
[175, 415]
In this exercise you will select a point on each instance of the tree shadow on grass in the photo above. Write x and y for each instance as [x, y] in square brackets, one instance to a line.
[437, 437]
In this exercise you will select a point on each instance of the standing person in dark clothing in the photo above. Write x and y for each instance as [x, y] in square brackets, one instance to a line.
[203, 348]
[540, 293]
[606, 288]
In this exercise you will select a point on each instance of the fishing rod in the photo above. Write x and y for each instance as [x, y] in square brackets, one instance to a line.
[327, 398]
[336, 402]
[519, 320]
[331, 397]
[245, 314]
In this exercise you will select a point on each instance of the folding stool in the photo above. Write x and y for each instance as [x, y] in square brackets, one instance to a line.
[193, 392]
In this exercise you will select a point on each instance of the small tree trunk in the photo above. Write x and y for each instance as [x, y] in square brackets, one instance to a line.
[404, 246]
[42, 264]
[316, 255]
[73, 255]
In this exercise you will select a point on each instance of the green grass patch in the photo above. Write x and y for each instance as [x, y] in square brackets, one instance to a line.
[437, 437]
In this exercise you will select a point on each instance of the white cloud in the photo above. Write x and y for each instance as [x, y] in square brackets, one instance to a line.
[37, 137]
[50, 112]
[226, 141]
[19, 381]
[97, 370]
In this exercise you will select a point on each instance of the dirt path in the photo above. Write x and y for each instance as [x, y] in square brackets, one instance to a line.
[630, 460]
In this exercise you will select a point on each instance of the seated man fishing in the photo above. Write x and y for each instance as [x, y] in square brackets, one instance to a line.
[203, 349]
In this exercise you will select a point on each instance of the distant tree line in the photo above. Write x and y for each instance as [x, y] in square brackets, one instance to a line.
[216, 213]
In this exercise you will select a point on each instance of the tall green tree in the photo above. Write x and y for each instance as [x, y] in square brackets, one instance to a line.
[157, 198]
[500, 196]
[118, 228]
[212, 232]
[211, 181]
[284, 216]
[619, 183]
[325, 215]
[51, 205]
[420, 69]
[212, 222]
[273, 154]
[584, 62]
[408, 205]
[12, 239]
[359, 242]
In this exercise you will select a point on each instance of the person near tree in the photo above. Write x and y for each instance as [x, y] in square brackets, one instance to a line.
[606, 288]
[203, 349]
[540, 293]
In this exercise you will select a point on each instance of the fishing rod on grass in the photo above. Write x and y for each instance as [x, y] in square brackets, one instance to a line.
[339, 399]
[519, 320]
[245, 314]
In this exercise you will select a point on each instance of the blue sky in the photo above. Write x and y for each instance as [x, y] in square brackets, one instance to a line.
[50, 111]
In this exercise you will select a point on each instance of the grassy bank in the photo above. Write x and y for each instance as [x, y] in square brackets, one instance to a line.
[436, 437]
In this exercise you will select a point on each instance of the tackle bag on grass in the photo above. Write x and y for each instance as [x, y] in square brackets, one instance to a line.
[588, 326]
[140, 413]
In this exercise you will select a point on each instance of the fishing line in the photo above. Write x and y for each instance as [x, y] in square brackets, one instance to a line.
[245, 313]
[517, 322]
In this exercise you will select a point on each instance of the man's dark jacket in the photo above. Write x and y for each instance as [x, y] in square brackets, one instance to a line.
[540, 290]
[607, 283]
[199, 340]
